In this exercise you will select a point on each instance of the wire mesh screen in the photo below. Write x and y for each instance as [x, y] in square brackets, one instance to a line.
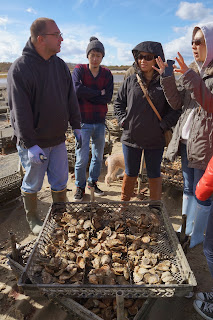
[10, 187]
[23, 255]
[95, 249]
[172, 173]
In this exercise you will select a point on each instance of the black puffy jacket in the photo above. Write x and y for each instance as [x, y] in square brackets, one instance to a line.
[141, 127]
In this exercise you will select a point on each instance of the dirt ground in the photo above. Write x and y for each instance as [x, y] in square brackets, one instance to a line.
[12, 219]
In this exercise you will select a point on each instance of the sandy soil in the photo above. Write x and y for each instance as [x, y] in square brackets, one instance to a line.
[12, 219]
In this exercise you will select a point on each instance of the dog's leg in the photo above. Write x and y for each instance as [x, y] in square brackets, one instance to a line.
[109, 171]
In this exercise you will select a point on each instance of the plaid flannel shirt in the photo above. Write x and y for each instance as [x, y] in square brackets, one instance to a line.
[93, 105]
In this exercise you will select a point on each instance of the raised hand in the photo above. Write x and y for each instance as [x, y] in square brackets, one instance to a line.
[162, 65]
[183, 67]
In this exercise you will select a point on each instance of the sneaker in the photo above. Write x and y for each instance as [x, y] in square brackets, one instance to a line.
[205, 296]
[78, 196]
[97, 191]
[205, 309]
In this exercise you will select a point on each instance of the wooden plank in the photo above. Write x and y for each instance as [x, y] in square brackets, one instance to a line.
[77, 308]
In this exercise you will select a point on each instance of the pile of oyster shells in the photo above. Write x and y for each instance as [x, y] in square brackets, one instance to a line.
[104, 248]
[171, 172]
[107, 308]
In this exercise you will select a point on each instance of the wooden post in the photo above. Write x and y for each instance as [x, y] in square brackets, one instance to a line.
[144, 310]
[2, 148]
[92, 194]
[183, 229]
[140, 176]
[78, 309]
[120, 305]
[8, 115]
[13, 246]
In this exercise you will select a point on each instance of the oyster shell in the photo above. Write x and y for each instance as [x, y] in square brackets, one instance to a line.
[137, 277]
[105, 259]
[167, 277]
[93, 279]
[151, 278]
[96, 262]
[87, 224]
[80, 262]
[146, 239]
[46, 277]
[163, 266]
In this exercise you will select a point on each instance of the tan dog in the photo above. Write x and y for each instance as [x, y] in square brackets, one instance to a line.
[114, 163]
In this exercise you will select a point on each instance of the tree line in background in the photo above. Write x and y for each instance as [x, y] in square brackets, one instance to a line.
[4, 66]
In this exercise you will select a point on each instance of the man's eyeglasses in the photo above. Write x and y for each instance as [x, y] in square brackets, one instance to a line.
[197, 42]
[147, 57]
[57, 35]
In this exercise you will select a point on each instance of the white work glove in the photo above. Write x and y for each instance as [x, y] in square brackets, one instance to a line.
[36, 155]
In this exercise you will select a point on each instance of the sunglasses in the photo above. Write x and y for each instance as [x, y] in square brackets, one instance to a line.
[197, 42]
[147, 57]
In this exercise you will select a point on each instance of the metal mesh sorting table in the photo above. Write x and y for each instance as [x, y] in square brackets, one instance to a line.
[5, 137]
[172, 173]
[23, 253]
[10, 178]
[167, 244]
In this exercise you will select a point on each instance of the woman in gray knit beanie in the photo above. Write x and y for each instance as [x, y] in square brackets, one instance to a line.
[96, 45]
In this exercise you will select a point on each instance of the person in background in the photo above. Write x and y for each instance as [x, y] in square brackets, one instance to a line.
[130, 71]
[204, 189]
[94, 88]
[42, 100]
[142, 129]
[192, 136]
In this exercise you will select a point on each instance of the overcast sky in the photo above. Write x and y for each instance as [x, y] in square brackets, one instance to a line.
[119, 25]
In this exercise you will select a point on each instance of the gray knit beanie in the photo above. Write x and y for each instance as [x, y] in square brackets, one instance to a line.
[94, 45]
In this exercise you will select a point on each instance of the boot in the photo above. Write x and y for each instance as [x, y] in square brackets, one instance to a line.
[127, 187]
[155, 187]
[59, 196]
[30, 206]
[199, 224]
[188, 208]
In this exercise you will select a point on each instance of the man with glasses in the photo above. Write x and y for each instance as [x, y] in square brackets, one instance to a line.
[42, 100]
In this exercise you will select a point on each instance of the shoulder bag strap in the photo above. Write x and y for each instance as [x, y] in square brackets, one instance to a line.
[147, 97]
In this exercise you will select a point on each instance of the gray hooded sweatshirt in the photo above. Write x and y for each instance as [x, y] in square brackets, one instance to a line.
[42, 99]
[194, 90]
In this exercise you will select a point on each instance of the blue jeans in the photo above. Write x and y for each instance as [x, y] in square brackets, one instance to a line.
[96, 132]
[56, 167]
[191, 176]
[208, 242]
[132, 159]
